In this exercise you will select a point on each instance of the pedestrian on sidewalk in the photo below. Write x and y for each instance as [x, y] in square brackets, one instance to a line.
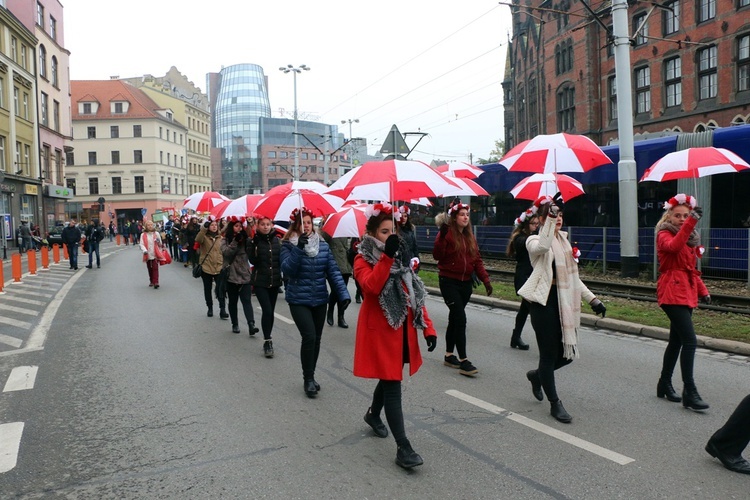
[525, 225]
[728, 442]
[264, 252]
[71, 236]
[212, 261]
[554, 290]
[238, 276]
[339, 248]
[678, 290]
[457, 255]
[308, 264]
[150, 244]
[189, 234]
[24, 232]
[407, 232]
[126, 232]
[392, 311]
[94, 235]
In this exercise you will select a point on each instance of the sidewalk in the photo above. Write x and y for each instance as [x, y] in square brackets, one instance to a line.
[730, 346]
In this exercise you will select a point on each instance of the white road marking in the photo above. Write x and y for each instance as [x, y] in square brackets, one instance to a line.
[15, 322]
[16, 291]
[279, 316]
[544, 429]
[11, 341]
[24, 300]
[19, 310]
[10, 442]
[21, 378]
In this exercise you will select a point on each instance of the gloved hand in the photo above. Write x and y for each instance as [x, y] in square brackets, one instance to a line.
[391, 245]
[206, 224]
[697, 213]
[303, 239]
[443, 230]
[558, 201]
[598, 307]
[706, 299]
[475, 280]
[488, 288]
[344, 304]
[431, 343]
[240, 236]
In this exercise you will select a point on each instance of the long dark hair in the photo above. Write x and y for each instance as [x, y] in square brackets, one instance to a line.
[523, 228]
[463, 240]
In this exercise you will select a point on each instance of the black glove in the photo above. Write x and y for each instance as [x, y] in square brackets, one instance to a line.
[240, 236]
[697, 213]
[475, 280]
[302, 241]
[598, 307]
[558, 201]
[443, 230]
[391, 245]
[344, 304]
[206, 224]
[706, 299]
[431, 343]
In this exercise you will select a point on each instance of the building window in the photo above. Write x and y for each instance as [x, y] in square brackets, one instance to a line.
[642, 37]
[26, 105]
[707, 76]
[70, 158]
[118, 108]
[743, 62]
[59, 167]
[116, 185]
[706, 10]
[566, 109]
[53, 63]
[115, 157]
[284, 154]
[44, 105]
[671, 18]
[27, 158]
[42, 62]
[14, 49]
[114, 131]
[742, 3]
[643, 90]
[139, 185]
[24, 64]
[137, 131]
[137, 156]
[53, 28]
[160, 132]
[612, 90]
[87, 108]
[16, 106]
[303, 156]
[56, 115]
[2, 154]
[91, 132]
[564, 57]
[46, 161]
[18, 153]
[40, 14]
[2, 93]
[272, 154]
[93, 185]
[92, 157]
[673, 81]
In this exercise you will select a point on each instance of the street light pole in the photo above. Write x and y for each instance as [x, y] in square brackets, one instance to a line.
[287, 69]
[351, 148]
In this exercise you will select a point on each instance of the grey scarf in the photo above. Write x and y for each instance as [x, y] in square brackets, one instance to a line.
[694, 239]
[394, 300]
[313, 243]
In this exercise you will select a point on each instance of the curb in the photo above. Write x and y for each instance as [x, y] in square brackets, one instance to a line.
[728, 346]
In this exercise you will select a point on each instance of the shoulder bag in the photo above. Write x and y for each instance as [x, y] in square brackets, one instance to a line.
[198, 270]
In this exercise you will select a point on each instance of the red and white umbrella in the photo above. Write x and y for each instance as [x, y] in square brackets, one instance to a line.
[460, 169]
[538, 185]
[278, 203]
[316, 186]
[555, 153]
[349, 222]
[244, 206]
[466, 187]
[203, 201]
[392, 180]
[693, 163]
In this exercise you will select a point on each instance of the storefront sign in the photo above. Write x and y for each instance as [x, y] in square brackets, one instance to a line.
[11, 188]
[58, 191]
[31, 189]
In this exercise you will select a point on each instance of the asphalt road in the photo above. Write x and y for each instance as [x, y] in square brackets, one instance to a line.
[115, 390]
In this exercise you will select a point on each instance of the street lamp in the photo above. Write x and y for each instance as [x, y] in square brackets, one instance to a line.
[287, 69]
[351, 148]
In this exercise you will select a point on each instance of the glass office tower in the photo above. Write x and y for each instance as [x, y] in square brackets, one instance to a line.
[239, 98]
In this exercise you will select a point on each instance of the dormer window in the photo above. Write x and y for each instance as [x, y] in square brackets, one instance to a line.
[169, 116]
[86, 108]
[118, 107]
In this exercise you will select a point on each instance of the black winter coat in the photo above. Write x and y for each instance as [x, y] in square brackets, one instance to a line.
[523, 263]
[264, 251]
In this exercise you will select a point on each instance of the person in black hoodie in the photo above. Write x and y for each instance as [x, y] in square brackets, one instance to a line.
[525, 225]
[263, 251]
[71, 235]
[406, 230]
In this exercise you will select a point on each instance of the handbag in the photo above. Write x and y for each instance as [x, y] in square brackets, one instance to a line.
[198, 270]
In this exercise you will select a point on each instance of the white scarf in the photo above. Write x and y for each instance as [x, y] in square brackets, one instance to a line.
[313, 243]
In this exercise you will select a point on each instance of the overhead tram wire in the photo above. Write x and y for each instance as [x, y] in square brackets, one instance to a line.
[410, 60]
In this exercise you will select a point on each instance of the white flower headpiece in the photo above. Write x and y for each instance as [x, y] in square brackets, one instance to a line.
[526, 215]
[378, 208]
[681, 199]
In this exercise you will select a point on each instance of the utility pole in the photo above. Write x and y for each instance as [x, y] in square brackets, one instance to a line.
[326, 135]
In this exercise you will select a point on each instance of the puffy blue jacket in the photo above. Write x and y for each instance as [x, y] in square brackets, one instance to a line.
[307, 275]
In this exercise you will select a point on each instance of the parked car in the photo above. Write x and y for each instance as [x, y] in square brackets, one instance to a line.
[55, 235]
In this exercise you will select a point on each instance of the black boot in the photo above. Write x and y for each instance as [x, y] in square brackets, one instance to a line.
[691, 399]
[557, 410]
[210, 312]
[406, 457]
[329, 315]
[664, 389]
[358, 298]
[223, 313]
[374, 421]
[235, 328]
[253, 328]
[536, 384]
[342, 322]
[310, 389]
[517, 343]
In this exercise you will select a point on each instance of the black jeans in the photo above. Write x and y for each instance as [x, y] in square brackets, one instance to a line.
[208, 279]
[734, 435]
[94, 247]
[548, 330]
[523, 313]
[333, 297]
[681, 338]
[388, 395]
[456, 295]
[267, 300]
[243, 293]
[309, 321]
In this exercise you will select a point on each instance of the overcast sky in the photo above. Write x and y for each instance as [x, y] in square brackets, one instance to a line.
[428, 66]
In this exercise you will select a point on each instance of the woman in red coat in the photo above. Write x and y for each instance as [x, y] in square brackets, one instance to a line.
[677, 291]
[392, 310]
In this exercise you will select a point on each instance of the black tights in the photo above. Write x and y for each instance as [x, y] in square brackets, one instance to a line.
[388, 395]
[208, 279]
[456, 295]
[243, 293]
[267, 300]
[523, 313]
[681, 338]
[548, 330]
[309, 321]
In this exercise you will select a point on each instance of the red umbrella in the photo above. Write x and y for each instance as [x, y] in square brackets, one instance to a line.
[555, 153]
[392, 180]
[278, 203]
[203, 201]
[460, 169]
[466, 187]
[244, 206]
[537, 185]
[693, 163]
[347, 223]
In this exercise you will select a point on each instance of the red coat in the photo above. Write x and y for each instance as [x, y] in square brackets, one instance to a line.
[679, 281]
[378, 349]
[457, 264]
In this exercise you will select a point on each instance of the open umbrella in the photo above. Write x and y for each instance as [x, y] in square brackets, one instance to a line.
[392, 180]
[555, 153]
[203, 201]
[460, 169]
[278, 203]
[537, 185]
[244, 206]
[350, 222]
[693, 163]
[466, 187]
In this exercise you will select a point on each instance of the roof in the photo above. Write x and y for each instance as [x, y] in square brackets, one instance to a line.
[106, 91]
